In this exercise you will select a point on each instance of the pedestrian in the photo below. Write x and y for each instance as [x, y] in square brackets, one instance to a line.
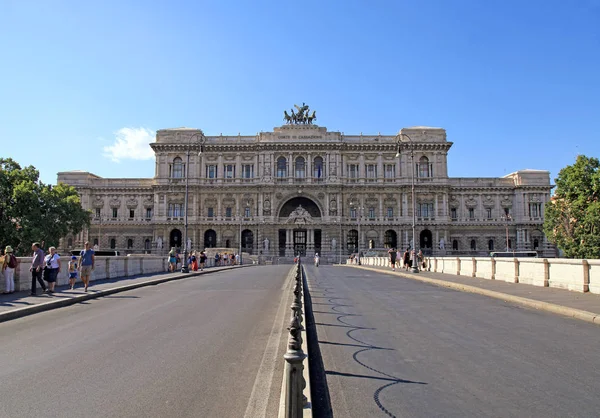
[194, 261]
[172, 259]
[420, 263]
[73, 271]
[87, 261]
[216, 259]
[392, 253]
[9, 265]
[398, 258]
[37, 265]
[51, 268]
[202, 260]
[413, 259]
[406, 259]
[317, 259]
[237, 259]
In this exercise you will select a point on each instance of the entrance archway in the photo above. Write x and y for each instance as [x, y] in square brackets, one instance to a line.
[390, 239]
[247, 241]
[210, 239]
[425, 239]
[175, 238]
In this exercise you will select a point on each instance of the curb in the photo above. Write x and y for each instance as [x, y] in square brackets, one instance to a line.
[590, 317]
[47, 306]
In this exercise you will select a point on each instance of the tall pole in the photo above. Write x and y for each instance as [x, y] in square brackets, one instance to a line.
[240, 250]
[359, 236]
[414, 268]
[184, 267]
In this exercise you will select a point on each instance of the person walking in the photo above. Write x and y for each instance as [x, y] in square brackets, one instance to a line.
[194, 261]
[37, 265]
[8, 269]
[317, 259]
[420, 264]
[202, 260]
[51, 268]
[172, 259]
[73, 271]
[398, 258]
[406, 259]
[392, 253]
[87, 260]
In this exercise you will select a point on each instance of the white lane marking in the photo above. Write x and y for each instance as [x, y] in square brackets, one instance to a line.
[259, 398]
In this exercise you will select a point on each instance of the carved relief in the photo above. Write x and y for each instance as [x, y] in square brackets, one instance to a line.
[267, 207]
[454, 202]
[98, 202]
[115, 202]
[148, 202]
[506, 201]
[321, 196]
[471, 201]
[488, 201]
[131, 203]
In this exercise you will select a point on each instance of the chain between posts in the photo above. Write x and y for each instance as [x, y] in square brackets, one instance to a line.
[294, 357]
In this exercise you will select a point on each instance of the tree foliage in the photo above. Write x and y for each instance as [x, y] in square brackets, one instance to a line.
[572, 218]
[33, 211]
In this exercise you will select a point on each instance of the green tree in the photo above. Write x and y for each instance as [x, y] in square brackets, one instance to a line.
[33, 211]
[572, 218]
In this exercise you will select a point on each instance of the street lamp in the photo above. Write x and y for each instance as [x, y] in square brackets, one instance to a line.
[506, 218]
[359, 209]
[201, 141]
[414, 268]
[241, 219]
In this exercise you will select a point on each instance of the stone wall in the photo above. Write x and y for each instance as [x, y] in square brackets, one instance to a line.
[106, 268]
[571, 274]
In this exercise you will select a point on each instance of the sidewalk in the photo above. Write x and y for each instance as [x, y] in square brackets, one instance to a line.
[584, 306]
[20, 304]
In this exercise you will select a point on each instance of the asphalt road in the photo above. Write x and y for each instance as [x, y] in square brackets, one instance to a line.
[209, 346]
[401, 348]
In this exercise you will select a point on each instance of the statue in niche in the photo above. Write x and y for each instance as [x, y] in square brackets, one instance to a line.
[159, 243]
[333, 244]
[266, 243]
[189, 244]
[442, 244]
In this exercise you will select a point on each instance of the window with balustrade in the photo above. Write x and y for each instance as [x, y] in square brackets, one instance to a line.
[300, 168]
[453, 213]
[389, 171]
[229, 171]
[425, 210]
[177, 168]
[228, 212]
[281, 167]
[372, 213]
[424, 168]
[247, 212]
[148, 213]
[248, 171]
[352, 170]
[353, 212]
[211, 171]
[535, 210]
[390, 212]
[318, 168]
[210, 212]
[175, 210]
[371, 172]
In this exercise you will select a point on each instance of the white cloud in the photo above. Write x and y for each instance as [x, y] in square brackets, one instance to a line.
[131, 144]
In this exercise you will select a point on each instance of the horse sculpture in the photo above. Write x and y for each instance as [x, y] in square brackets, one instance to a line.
[312, 117]
[302, 117]
[288, 119]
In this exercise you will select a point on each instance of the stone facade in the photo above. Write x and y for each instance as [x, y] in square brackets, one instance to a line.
[301, 189]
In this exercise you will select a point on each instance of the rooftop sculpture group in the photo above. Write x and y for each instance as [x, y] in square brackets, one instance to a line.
[303, 116]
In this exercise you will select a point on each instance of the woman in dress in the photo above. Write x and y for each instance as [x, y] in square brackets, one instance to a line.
[51, 268]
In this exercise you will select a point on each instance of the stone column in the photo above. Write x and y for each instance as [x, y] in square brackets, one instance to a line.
[308, 168]
[379, 168]
[220, 168]
[238, 168]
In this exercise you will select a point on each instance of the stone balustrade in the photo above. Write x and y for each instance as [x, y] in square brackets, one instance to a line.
[105, 268]
[571, 274]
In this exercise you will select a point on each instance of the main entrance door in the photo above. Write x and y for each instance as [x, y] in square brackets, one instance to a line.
[175, 238]
[300, 242]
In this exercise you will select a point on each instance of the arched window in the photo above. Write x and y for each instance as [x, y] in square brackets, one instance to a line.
[95, 241]
[424, 170]
[455, 245]
[491, 245]
[281, 167]
[113, 243]
[147, 244]
[319, 168]
[70, 242]
[177, 168]
[536, 244]
[473, 245]
[129, 243]
[390, 239]
[300, 168]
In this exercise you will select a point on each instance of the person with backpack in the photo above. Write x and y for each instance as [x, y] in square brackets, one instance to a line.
[202, 260]
[8, 269]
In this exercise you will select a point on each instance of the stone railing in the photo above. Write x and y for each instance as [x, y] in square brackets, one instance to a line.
[572, 274]
[105, 268]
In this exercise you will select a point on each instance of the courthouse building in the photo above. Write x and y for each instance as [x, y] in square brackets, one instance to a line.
[303, 189]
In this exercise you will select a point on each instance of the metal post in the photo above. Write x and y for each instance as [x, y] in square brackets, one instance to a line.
[184, 267]
[414, 206]
[240, 250]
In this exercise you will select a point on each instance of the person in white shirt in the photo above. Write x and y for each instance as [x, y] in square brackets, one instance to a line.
[51, 268]
[317, 259]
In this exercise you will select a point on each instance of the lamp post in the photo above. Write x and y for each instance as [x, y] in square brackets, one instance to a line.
[201, 141]
[358, 215]
[414, 268]
[507, 218]
[241, 219]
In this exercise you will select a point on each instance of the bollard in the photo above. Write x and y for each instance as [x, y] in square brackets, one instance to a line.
[294, 398]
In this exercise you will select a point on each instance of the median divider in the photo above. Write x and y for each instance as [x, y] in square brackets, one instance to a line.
[295, 401]
[93, 294]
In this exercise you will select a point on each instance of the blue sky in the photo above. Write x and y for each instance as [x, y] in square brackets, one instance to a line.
[515, 83]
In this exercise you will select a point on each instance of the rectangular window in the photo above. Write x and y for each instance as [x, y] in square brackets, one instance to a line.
[97, 212]
[390, 171]
[534, 210]
[489, 213]
[131, 213]
[353, 212]
[148, 212]
[453, 213]
[390, 212]
[371, 170]
[353, 171]
[211, 212]
[115, 212]
[425, 210]
[471, 213]
[211, 171]
[229, 171]
[175, 210]
[248, 171]
[372, 213]
[506, 211]
[228, 212]
[247, 212]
